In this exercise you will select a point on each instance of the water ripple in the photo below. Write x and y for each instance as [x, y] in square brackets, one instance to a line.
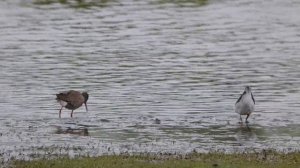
[161, 76]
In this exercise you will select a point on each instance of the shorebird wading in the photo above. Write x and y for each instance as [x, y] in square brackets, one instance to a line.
[72, 100]
[245, 104]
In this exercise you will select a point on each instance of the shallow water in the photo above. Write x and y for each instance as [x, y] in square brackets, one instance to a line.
[162, 76]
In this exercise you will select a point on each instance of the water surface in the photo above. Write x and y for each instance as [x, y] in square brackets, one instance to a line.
[162, 76]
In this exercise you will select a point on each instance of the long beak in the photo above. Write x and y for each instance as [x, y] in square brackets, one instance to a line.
[86, 107]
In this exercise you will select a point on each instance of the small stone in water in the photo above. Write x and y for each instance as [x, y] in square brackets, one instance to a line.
[157, 121]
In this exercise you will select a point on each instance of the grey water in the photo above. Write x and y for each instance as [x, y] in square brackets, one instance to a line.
[163, 76]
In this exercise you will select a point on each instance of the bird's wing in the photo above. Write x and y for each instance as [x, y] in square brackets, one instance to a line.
[75, 98]
[253, 98]
[240, 97]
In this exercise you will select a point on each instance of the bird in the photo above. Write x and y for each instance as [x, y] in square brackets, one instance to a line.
[72, 100]
[245, 104]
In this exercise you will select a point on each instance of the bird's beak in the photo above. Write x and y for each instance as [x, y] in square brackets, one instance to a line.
[86, 107]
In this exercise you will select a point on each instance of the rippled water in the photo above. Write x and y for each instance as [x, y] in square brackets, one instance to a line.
[162, 76]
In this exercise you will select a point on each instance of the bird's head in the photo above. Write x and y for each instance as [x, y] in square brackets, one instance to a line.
[247, 89]
[86, 97]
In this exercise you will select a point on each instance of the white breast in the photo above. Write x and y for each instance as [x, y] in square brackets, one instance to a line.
[245, 105]
[62, 103]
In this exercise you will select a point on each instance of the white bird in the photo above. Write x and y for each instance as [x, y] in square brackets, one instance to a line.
[245, 104]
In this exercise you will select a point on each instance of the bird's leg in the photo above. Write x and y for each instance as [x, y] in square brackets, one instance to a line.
[72, 114]
[60, 111]
[241, 120]
[247, 118]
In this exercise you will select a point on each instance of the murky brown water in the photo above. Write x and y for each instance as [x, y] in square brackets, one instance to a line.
[162, 77]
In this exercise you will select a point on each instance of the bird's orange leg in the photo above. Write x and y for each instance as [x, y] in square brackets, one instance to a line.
[247, 118]
[241, 120]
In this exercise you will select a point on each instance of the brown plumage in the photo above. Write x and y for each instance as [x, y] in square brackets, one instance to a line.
[72, 100]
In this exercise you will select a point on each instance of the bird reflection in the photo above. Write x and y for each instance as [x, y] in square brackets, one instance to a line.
[245, 134]
[73, 131]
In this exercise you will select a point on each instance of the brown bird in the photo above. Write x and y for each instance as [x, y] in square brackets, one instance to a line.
[72, 100]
